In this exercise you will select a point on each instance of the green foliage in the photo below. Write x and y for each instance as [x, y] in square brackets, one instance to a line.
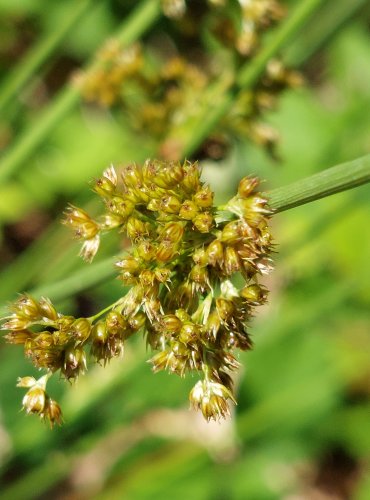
[303, 395]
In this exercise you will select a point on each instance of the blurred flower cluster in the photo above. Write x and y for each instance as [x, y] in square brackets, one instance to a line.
[180, 272]
[157, 91]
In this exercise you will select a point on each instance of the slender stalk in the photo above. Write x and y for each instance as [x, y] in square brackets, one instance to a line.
[323, 27]
[333, 180]
[133, 27]
[36, 57]
[250, 72]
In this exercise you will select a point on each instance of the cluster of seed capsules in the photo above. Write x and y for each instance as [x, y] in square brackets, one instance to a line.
[180, 271]
[236, 24]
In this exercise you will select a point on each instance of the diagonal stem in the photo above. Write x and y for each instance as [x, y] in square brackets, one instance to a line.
[139, 21]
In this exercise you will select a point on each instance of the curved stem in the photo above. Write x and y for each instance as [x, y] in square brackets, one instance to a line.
[40, 53]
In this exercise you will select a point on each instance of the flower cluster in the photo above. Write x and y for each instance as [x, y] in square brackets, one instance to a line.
[238, 25]
[185, 255]
[161, 91]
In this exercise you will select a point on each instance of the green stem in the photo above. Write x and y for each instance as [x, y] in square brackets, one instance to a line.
[333, 180]
[40, 53]
[251, 72]
[133, 27]
[323, 27]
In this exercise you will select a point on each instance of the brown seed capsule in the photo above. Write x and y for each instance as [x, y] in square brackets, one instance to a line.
[147, 278]
[18, 337]
[204, 197]
[203, 222]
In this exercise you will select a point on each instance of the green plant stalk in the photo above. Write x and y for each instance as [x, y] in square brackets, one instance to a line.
[323, 27]
[133, 27]
[40, 53]
[333, 180]
[249, 74]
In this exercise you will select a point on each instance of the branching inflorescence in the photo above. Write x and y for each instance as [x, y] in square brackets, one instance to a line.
[180, 272]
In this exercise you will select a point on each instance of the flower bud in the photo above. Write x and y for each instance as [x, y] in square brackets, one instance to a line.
[81, 329]
[247, 185]
[162, 274]
[131, 176]
[145, 250]
[137, 321]
[191, 177]
[52, 412]
[110, 221]
[189, 332]
[232, 261]
[203, 222]
[115, 323]
[204, 197]
[200, 257]
[27, 306]
[215, 253]
[256, 294]
[172, 232]
[170, 323]
[188, 210]
[170, 205]
[136, 228]
[225, 308]
[74, 362]
[47, 309]
[129, 263]
[99, 333]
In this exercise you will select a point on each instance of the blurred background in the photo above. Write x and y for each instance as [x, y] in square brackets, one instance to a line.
[301, 429]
